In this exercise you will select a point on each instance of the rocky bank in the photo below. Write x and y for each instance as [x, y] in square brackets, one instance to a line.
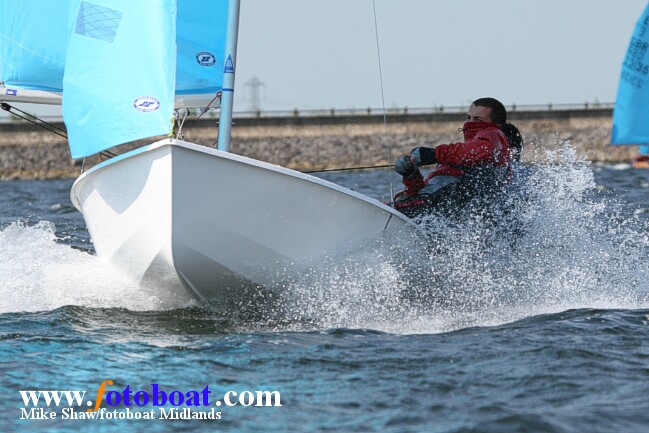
[28, 152]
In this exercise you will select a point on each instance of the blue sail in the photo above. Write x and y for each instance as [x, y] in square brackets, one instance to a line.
[631, 112]
[201, 46]
[644, 149]
[117, 63]
[33, 42]
[118, 84]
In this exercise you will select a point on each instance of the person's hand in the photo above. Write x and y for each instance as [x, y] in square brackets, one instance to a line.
[405, 167]
[422, 155]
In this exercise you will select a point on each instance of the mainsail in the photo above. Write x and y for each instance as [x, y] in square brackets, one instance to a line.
[121, 66]
[200, 39]
[631, 112]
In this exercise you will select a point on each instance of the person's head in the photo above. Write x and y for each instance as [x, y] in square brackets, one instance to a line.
[515, 140]
[488, 110]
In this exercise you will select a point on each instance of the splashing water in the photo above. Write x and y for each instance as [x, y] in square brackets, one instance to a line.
[39, 273]
[563, 244]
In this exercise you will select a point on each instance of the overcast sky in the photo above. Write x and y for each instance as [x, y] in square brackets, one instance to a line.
[321, 54]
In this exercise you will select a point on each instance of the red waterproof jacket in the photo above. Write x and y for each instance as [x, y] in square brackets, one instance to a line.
[484, 144]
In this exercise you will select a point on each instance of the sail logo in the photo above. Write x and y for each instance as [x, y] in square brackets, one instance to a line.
[205, 58]
[229, 65]
[146, 104]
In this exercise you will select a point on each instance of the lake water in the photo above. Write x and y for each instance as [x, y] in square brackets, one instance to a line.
[550, 334]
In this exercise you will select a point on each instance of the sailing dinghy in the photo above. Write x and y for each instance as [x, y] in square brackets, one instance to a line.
[175, 216]
[631, 109]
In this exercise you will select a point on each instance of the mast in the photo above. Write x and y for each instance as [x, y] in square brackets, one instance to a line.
[227, 95]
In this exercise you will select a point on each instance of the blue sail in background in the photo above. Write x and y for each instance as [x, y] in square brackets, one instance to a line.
[34, 38]
[631, 112]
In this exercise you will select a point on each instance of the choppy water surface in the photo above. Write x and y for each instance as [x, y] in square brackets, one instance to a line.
[539, 328]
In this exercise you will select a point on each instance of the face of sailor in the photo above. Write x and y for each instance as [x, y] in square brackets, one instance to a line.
[478, 114]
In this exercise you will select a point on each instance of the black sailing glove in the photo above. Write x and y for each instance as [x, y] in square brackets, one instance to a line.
[423, 156]
[405, 167]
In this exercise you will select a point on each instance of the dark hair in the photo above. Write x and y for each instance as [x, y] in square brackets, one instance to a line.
[498, 111]
[515, 140]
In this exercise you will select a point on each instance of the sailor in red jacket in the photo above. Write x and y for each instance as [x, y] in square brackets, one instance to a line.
[484, 155]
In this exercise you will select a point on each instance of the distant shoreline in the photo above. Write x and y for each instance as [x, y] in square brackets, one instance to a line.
[326, 142]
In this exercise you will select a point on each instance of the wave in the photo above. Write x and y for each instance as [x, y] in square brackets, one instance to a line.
[39, 272]
[566, 244]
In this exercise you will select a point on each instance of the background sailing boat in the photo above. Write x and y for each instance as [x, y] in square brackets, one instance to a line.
[631, 112]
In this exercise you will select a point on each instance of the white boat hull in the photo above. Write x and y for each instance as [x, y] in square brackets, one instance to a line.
[177, 217]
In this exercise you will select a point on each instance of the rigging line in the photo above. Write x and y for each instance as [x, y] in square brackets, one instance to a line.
[385, 119]
[207, 107]
[348, 168]
[180, 134]
[35, 120]
[48, 127]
